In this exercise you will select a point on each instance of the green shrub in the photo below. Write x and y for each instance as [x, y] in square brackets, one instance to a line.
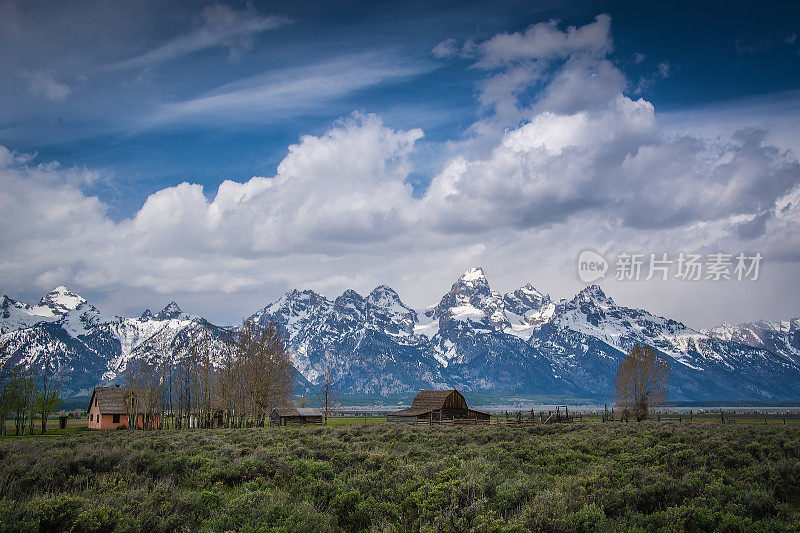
[581, 477]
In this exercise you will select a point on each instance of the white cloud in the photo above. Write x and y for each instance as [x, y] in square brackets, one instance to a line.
[44, 84]
[216, 25]
[290, 90]
[578, 171]
[446, 48]
[545, 41]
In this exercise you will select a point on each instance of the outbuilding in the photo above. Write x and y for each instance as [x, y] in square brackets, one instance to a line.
[439, 406]
[296, 416]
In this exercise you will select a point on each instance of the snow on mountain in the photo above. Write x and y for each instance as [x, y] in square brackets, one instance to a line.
[15, 315]
[82, 348]
[474, 339]
[781, 338]
[170, 311]
[367, 344]
[61, 300]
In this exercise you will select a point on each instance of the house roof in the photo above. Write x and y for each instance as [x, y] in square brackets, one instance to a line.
[299, 411]
[111, 400]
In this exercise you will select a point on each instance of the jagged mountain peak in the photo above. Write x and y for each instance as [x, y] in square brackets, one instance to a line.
[385, 296]
[529, 295]
[473, 275]
[470, 284]
[6, 302]
[473, 281]
[350, 298]
[304, 294]
[170, 311]
[295, 301]
[147, 315]
[593, 293]
[62, 300]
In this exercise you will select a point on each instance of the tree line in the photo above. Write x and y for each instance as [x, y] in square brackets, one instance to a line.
[231, 379]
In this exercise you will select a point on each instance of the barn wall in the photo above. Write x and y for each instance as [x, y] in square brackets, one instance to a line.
[451, 413]
[455, 401]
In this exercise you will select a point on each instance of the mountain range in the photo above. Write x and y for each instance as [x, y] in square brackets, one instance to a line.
[474, 339]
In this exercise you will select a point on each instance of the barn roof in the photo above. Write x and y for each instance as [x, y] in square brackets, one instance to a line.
[431, 399]
[426, 401]
[111, 400]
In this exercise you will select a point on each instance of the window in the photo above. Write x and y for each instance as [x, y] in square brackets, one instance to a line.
[115, 419]
[95, 401]
[91, 418]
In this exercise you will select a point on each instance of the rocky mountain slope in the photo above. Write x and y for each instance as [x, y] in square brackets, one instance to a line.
[474, 339]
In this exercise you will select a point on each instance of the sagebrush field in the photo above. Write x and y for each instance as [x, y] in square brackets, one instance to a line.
[581, 477]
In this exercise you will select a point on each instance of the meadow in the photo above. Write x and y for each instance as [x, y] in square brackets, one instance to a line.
[649, 476]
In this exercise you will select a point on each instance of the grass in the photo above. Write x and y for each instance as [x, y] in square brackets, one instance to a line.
[382, 477]
[74, 425]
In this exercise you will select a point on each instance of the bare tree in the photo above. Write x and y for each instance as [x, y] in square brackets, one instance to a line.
[328, 395]
[641, 382]
[266, 372]
[134, 376]
[226, 380]
[49, 398]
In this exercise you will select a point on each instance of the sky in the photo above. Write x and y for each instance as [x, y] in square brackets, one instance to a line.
[220, 154]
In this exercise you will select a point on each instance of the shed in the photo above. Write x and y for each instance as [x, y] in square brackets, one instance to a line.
[108, 406]
[296, 416]
[433, 406]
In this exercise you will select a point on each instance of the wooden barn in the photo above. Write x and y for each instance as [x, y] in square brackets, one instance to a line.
[438, 406]
[108, 407]
[296, 416]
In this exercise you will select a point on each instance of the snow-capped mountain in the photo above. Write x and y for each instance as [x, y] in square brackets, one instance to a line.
[367, 345]
[523, 342]
[474, 339]
[79, 347]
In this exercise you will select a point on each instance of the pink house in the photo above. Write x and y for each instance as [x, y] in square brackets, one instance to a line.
[109, 407]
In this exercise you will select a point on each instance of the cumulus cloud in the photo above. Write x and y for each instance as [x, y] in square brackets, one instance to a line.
[585, 166]
[588, 149]
[317, 196]
[318, 202]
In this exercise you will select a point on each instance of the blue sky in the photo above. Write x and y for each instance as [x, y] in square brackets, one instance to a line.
[715, 51]
[132, 99]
